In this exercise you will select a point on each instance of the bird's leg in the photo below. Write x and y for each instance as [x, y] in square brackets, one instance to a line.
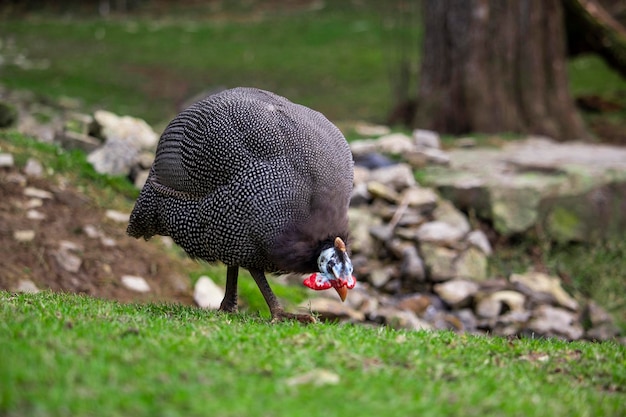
[276, 310]
[229, 303]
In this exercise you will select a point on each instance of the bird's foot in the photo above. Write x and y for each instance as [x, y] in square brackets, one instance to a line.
[284, 316]
[228, 308]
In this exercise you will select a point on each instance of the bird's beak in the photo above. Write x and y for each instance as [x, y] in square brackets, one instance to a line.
[342, 291]
[342, 285]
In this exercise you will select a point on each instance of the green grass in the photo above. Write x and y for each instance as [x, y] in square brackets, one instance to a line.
[72, 355]
[330, 59]
[589, 74]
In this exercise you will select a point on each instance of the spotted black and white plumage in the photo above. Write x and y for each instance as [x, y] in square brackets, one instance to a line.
[251, 179]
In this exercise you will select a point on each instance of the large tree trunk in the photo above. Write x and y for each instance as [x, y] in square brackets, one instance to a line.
[496, 66]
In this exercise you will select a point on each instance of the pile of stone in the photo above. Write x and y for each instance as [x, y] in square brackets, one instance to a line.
[116, 145]
[422, 265]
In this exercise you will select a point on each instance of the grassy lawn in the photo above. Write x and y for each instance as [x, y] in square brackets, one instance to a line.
[72, 355]
[332, 59]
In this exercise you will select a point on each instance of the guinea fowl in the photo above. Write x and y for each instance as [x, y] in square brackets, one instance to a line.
[248, 178]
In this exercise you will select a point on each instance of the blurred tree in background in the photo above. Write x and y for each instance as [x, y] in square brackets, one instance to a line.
[493, 66]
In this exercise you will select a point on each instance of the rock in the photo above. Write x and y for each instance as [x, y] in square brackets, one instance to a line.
[366, 129]
[433, 156]
[332, 309]
[135, 283]
[601, 325]
[495, 304]
[426, 139]
[117, 216]
[382, 232]
[478, 239]
[412, 217]
[456, 293]
[606, 331]
[362, 299]
[542, 283]
[443, 320]
[424, 199]
[131, 130]
[145, 160]
[33, 168]
[439, 261]
[471, 264]
[412, 266]
[373, 161]
[399, 176]
[6, 160]
[440, 233]
[367, 302]
[417, 303]
[395, 144]
[363, 147]
[35, 215]
[380, 276]
[573, 191]
[316, 377]
[180, 283]
[400, 319]
[447, 213]
[34, 203]
[37, 193]
[380, 190]
[141, 178]
[74, 140]
[416, 159]
[91, 231]
[467, 318]
[108, 242]
[360, 196]
[553, 321]
[78, 123]
[596, 315]
[24, 235]
[116, 157]
[361, 220]
[13, 177]
[26, 286]
[361, 175]
[207, 294]
[67, 256]
[514, 208]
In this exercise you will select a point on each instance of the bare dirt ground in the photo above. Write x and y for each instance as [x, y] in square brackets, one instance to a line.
[98, 244]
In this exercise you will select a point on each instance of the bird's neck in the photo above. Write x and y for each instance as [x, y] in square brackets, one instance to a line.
[299, 253]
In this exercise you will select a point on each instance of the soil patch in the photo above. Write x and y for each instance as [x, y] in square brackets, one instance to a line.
[100, 244]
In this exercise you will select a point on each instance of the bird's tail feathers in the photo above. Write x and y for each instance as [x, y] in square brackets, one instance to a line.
[145, 220]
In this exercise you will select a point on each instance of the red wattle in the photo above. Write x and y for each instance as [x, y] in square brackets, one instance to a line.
[311, 282]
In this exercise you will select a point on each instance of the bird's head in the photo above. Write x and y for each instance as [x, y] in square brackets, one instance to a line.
[335, 270]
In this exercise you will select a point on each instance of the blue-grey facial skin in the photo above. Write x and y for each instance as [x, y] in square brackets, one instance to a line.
[334, 267]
